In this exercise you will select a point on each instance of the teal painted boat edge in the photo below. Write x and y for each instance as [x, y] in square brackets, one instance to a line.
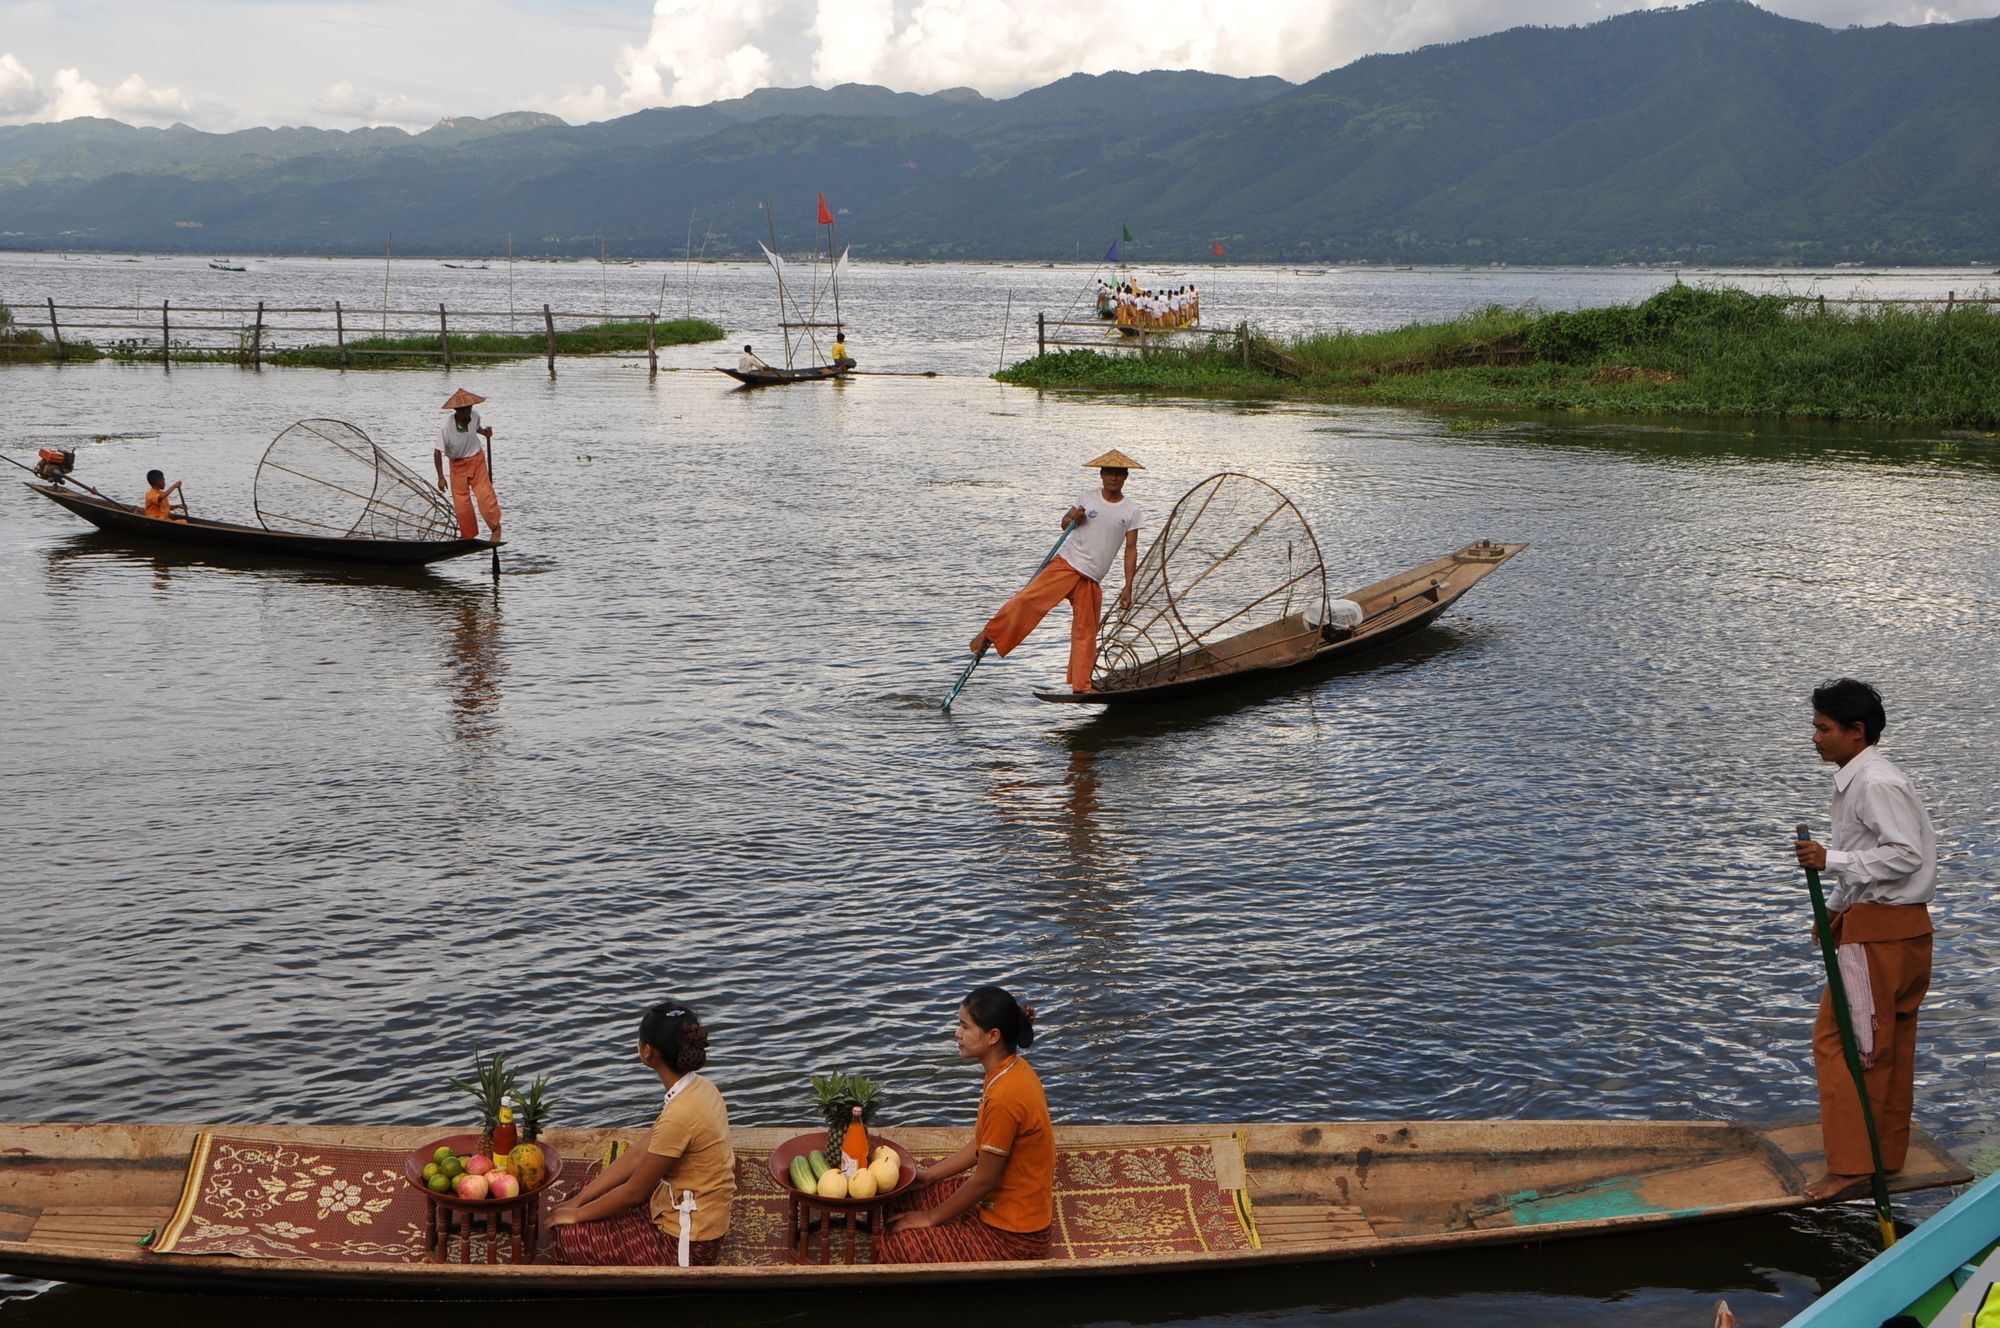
[1887, 1284]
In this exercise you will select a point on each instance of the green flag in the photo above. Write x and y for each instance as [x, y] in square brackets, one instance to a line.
[1127, 234]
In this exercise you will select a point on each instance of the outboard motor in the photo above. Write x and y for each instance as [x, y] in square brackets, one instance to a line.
[54, 464]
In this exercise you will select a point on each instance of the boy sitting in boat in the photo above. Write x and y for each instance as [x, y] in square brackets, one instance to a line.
[841, 359]
[159, 498]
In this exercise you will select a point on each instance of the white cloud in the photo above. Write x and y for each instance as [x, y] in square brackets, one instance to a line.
[20, 92]
[344, 101]
[696, 52]
[135, 99]
[75, 95]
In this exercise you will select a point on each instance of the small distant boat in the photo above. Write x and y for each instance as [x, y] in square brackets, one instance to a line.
[800, 323]
[218, 265]
[1937, 1274]
[779, 377]
[470, 267]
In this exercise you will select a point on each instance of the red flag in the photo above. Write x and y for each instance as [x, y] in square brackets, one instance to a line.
[825, 217]
[1218, 248]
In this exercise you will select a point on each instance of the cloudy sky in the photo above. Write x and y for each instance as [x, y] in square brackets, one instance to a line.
[229, 64]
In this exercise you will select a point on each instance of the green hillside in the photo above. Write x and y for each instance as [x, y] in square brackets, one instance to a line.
[1716, 133]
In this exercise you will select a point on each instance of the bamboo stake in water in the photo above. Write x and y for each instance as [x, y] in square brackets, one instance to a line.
[1836, 993]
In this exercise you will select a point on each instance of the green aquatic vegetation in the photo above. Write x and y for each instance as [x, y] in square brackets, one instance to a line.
[1688, 349]
[403, 352]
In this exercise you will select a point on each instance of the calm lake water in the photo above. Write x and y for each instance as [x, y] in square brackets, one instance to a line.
[289, 844]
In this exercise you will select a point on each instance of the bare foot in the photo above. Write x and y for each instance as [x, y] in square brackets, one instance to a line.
[979, 643]
[1831, 1187]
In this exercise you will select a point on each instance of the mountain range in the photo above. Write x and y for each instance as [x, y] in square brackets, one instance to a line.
[1717, 133]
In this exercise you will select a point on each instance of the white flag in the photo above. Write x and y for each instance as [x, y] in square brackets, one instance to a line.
[841, 266]
[777, 263]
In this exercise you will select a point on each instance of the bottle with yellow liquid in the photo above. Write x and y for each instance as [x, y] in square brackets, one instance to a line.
[505, 1134]
[854, 1145]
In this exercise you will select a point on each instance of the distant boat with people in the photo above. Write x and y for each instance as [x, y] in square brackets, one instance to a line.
[800, 318]
[221, 265]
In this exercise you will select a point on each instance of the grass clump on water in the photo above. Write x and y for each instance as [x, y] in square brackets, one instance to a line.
[19, 344]
[1689, 349]
[402, 352]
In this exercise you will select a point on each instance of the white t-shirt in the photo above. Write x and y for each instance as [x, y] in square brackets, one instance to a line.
[458, 446]
[1094, 546]
[748, 363]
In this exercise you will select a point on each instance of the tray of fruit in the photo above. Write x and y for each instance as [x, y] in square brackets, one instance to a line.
[454, 1170]
[801, 1165]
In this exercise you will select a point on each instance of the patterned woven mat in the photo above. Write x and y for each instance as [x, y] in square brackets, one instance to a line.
[267, 1199]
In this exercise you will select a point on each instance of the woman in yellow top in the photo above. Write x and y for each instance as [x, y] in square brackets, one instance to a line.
[666, 1203]
[1004, 1209]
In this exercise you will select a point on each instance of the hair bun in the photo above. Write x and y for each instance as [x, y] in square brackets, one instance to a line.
[1028, 1013]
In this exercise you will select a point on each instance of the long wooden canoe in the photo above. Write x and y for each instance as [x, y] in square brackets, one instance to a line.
[75, 1200]
[779, 377]
[1936, 1274]
[133, 523]
[1391, 609]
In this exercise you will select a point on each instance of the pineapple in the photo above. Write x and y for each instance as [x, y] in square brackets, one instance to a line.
[534, 1109]
[491, 1082]
[837, 1095]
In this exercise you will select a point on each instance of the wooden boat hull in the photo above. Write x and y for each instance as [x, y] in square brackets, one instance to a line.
[76, 1199]
[1926, 1275]
[1392, 609]
[132, 523]
[780, 377]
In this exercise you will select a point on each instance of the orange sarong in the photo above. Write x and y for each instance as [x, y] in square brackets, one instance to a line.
[1899, 971]
[1053, 584]
[471, 480]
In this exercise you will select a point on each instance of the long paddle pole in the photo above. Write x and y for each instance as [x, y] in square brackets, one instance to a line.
[1836, 992]
[966, 676]
[496, 498]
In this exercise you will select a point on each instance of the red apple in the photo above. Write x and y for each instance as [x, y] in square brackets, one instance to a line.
[478, 1164]
[471, 1186]
[502, 1185]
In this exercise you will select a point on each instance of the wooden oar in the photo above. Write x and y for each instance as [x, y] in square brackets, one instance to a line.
[1836, 992]
[966, 676]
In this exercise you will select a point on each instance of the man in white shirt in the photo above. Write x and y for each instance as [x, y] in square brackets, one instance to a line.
[1884, 865]
[462, 442]
[748, 361]
[1100, 525]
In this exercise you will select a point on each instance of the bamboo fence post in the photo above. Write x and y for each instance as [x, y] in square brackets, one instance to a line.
[444, 337]
[1949, 297]
[340, 333]
[55, 328]
[1004, 323]
[549, 321]
[652, 354]
[1041, 334]
[1822, 306]
[257, 340]
[166, 337]
[1243, 336]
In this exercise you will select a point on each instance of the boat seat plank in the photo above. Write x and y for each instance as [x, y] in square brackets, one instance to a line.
[73, 1226]
[1290, 1226]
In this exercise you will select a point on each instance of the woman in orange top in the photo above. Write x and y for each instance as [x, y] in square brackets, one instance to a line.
[1004, 1209]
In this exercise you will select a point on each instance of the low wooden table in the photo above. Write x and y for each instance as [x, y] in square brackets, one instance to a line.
[447, 1215]
[810, 1215]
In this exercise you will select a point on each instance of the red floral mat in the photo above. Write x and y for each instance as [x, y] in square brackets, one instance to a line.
[266, 1199]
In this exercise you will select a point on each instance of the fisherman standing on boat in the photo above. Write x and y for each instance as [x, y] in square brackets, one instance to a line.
[1883, 860]
[1099, 524]
[463, 441]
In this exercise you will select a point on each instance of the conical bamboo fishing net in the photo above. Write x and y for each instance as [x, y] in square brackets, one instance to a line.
[1232, 580]
[324, 477]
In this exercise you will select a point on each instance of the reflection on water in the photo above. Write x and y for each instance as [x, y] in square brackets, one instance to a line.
[475, 665]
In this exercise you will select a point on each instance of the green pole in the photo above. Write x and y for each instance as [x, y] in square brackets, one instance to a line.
[1836, 991]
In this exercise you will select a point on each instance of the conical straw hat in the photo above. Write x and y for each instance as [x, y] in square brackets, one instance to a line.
[463, 398]
[1113, 460]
